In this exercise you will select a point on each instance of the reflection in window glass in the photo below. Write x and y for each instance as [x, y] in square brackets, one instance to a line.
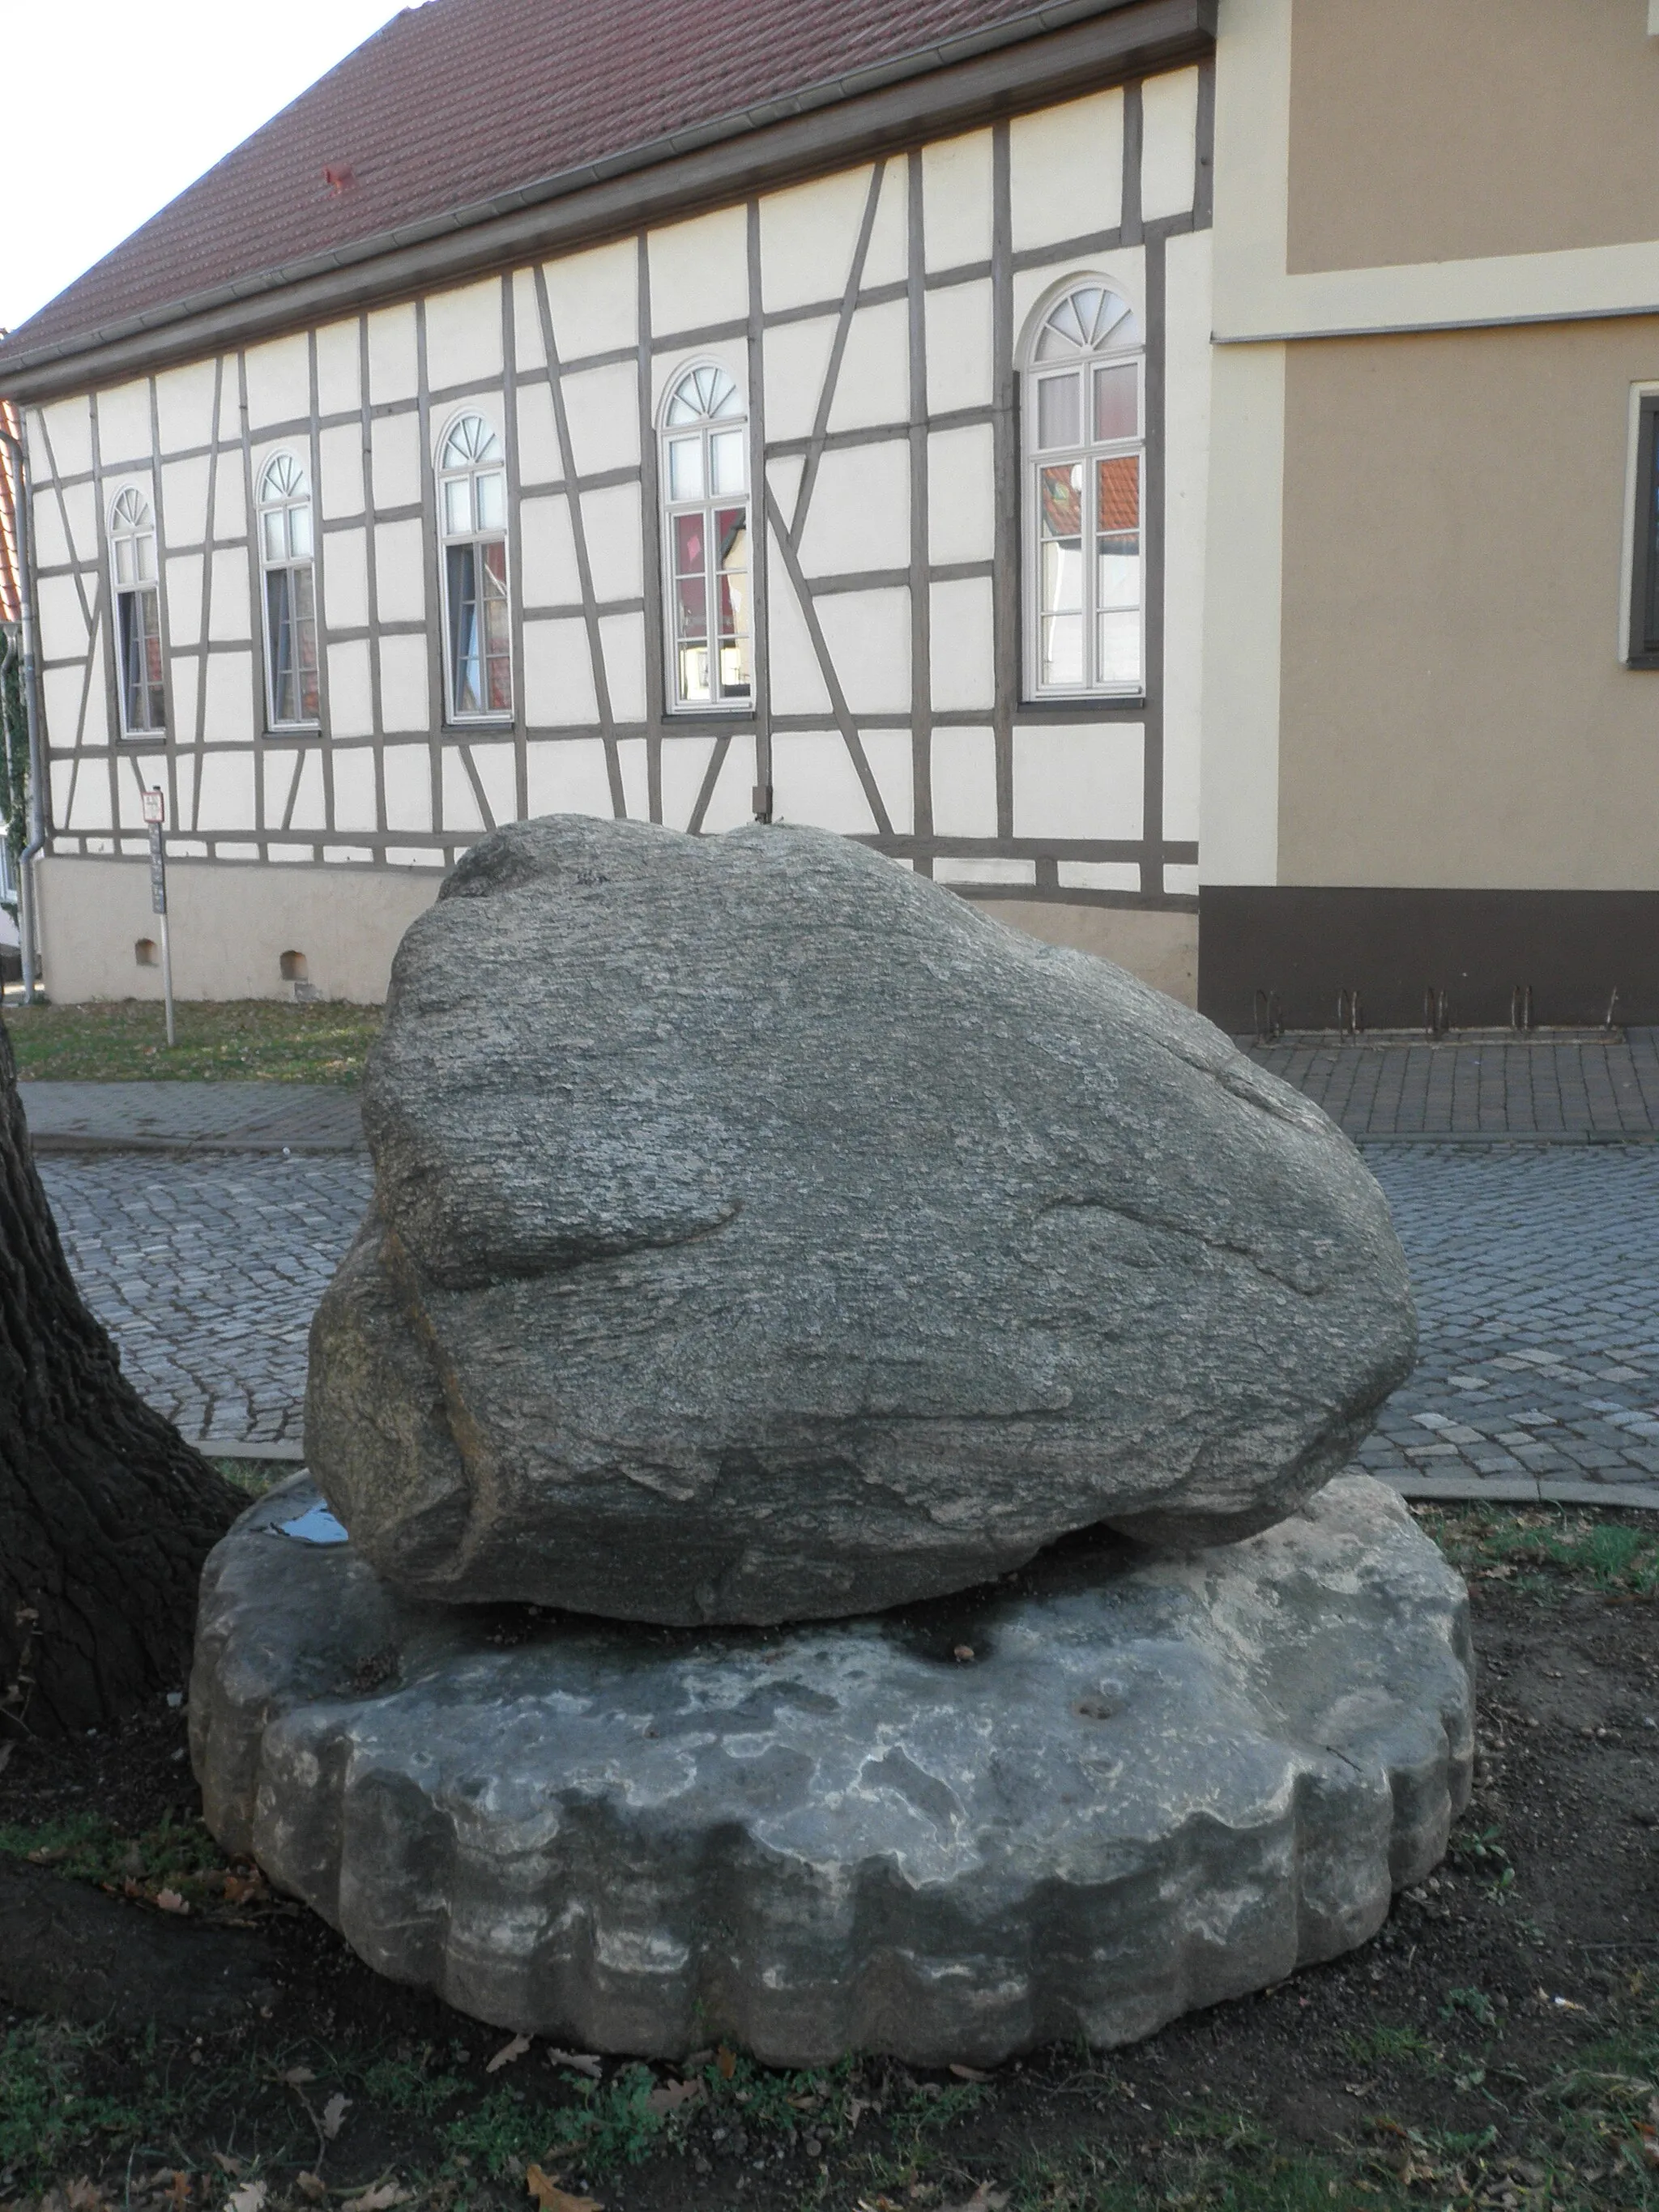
[706, 482]
[137, 616]
[1084, 437]
[477, 631]
[290, 604]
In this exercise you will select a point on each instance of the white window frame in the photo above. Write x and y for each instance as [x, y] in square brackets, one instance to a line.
[284, 496]
[714, 418]
[482, 463]
[134, 573]
[1087, 451]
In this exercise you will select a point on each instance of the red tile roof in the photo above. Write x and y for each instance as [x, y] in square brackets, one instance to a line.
[460, 101]
[11, 554]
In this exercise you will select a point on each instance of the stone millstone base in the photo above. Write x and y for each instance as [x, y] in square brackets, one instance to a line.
[1076, 1802]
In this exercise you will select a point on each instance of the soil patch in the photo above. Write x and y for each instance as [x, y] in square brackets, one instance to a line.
[1497, 2043]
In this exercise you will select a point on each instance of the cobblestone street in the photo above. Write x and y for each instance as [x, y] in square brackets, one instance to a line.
[1533, 1265]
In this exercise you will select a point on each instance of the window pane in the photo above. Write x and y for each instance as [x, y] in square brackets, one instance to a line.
[691, 607]
[1117, 401]
[271, 531]
[465, 654]
[491, 502]
[458, 508]
[1059, 418]
[1118, 649]
[123, 560]
[725, 462]
[279, 641]
[1120, 573]
[688, 545]
[692, 662]
[304, 641]
[1061, 499]
[146, 556]
[1120, 493]
[299, 531]
[684, 468]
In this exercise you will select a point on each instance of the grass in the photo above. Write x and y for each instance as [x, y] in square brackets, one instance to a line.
[1547, 1549]
[177, 1856]
[238, 1040]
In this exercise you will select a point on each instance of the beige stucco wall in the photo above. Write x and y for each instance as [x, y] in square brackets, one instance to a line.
[1159, 945]
[1453, 710]
[1440, 130]
[230, 925]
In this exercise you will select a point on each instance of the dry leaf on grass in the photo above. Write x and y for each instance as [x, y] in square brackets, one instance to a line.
[726, 2059]
[333, 2113]
[584, 2061]
[311, 2187]
[970, 2073]
[983, 2200]
[86, 2196]
[297, 2076]
[669, 2096]
[250, 2197]
[507, 2053]
[235, 2167]
[170, 1901]
[551, 2198]
[380, 2198]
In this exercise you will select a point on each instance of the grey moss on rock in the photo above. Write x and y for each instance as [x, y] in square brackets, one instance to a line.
[761, 1233]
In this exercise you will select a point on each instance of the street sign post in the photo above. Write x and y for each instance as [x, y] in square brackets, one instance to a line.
[155, 813]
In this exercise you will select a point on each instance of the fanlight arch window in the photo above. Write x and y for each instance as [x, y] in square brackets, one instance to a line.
[1083, 416]
[705, 480]
[137, 614]
[288, 560]
[472, 525]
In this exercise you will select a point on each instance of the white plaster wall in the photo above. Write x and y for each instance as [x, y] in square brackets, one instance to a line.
[1079, 779]
[400, 572]
[558, 676]
[611, 522]
[395, 460]
[225, 793]
[1066, 170]
[403, 702]
[1169, 146]
[549, 574]
[356, 806]
[183, 586]
[53, 548]
[621, 641]
[187, 682]
[594, 299]
[60, 704]
[230, 498]
[956, 200]
[339, 377]
[230, 699]
[69, 425]
[460, 804]
[699, 272]
[497, 771]
[227, 603]
[814, 780]
[797, 359]
[529, 350]
[124, 429]
[540, 461]
[184, 406]
[185, 501]
[963, 774]
[635, 771]
[568, 776]
[1186, 467]
[798, 684]
[859, 517]
[602, 408]
[887, 260]
[463, 336]
[63, 627]
[350, 701]
[278, 381]
[959, 356]
[889, 754]
[407, 788]
[873, 386]
[808, 236]
[684, 764]
[961, 495]
[391, 355]
[340, 452]
[961, 647]
[345, 581]
[868, 635]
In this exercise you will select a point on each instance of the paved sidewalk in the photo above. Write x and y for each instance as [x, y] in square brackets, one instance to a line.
[1585, 1087]
[201, 1117]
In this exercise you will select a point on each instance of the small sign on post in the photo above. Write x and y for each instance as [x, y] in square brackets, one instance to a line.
[155, 814]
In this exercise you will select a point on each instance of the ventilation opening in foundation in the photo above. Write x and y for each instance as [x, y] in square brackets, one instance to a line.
[145, 954]
[294, 967]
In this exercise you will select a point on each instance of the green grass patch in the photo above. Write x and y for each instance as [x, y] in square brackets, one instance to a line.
[238, 1040]
[176, 1855]
[48, 2119]
[1541, 1549]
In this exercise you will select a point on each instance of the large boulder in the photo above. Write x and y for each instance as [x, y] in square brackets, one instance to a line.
[761, 1232]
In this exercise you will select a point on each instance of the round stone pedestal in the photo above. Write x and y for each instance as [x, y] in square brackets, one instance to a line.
[1076, 1802]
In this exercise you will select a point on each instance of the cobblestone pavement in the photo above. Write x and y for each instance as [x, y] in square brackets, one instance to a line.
[1538, 1294]
[207, 1272]
[1588, 1087]
[1533, 1265]
[235, 1116]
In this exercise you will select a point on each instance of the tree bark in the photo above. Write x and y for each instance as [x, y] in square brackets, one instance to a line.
[105, 1512]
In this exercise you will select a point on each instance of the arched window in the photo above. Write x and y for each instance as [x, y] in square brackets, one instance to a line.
[705, 476]
[472, 522]
[285, 554]
[1084, 413]
[138, 616]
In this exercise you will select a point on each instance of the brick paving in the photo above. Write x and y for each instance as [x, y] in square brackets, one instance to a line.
[1585, 1086]
[199, 1117]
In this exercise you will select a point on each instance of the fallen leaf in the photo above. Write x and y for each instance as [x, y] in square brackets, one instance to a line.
[239, 1889]
[507, 2053]
[856, 2109]
[49, 1855]
[235, 2167]
[333, 2112]
[297, 2076]
[180, 2189]
[170, 1901]
[310, 2186]
[378, 2199]
[970, 2073]
[962, 1652]
[250, 2197]
[669, 2096]
[726, 2059]
[584, 2061]
[551, 2198]
[983, 2200]
[86, 2196]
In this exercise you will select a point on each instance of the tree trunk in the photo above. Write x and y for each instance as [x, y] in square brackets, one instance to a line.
[105, 1512]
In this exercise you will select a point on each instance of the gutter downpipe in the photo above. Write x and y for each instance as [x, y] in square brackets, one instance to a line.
[27, 920]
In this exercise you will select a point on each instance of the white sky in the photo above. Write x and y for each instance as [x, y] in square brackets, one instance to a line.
[113, 107]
